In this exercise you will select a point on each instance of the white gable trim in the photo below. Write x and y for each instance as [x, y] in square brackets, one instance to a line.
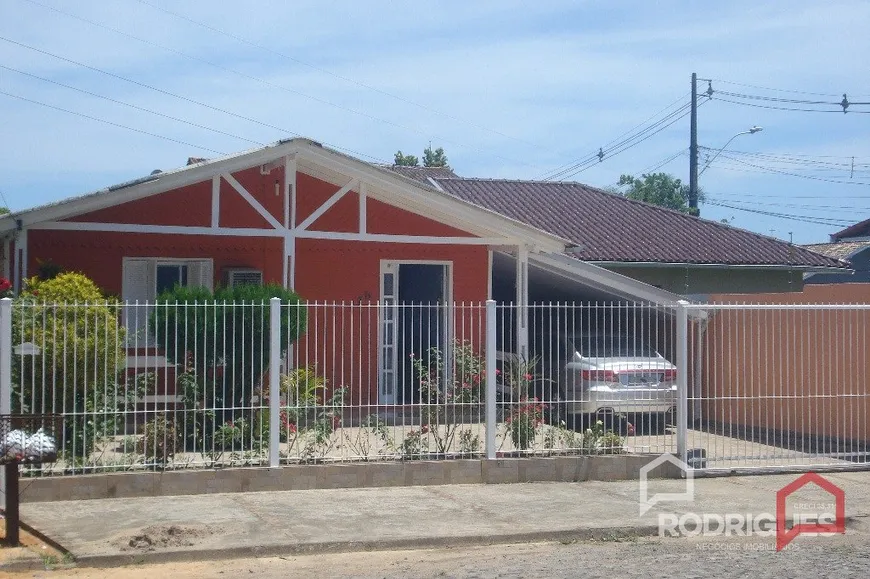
[252, 201]
[382, 184]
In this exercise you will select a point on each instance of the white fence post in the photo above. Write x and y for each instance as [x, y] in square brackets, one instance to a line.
[682, 379]
[490, 379]
[274, 381]
[5, 373]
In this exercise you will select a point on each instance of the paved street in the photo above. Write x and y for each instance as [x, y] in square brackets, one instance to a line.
[840, 557]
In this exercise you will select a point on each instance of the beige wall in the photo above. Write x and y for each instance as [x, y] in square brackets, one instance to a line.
[789, 370]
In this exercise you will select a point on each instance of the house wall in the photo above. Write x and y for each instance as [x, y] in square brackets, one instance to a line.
[344, 351]
[793, 371]
[860, 266]
[692, 281]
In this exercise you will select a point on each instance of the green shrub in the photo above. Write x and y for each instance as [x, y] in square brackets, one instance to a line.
[161, 440]
[223, 346]
[82, 352]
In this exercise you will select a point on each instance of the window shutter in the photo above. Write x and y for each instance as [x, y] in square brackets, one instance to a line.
[200, 274]
[137, 285]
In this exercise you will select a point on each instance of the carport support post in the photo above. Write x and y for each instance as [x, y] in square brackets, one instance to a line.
[522, 349]
[682, 378]
[274, 381]
[490, 379]
[5, 375]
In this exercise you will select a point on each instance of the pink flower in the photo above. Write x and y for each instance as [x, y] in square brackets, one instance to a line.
[292, 428]
[497, 372]
[630, 429]
[528, 376]
[424, 429]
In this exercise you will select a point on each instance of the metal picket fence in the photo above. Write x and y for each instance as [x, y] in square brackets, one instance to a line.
[172, 386]
[778, 386]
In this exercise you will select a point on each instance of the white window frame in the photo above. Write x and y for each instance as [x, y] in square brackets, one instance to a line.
[135, 334]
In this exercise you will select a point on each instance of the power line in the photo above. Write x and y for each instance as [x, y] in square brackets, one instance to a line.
[824, 208]
[788, 216]
[804, 161]
[331, 73]
[104, 121]
[132, 106]
[799, 154]
[628, 145]
[274, 85]
[768, 171]
[601, 154]
[720, 99]
[774, 89]
[845, 104]
[623, 145]
[642, 123]
[283, 131]
[772, 170]
[661, 164]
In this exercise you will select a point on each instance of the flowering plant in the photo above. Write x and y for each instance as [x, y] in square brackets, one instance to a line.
[5, 288]
[442, 398]
[524, 421]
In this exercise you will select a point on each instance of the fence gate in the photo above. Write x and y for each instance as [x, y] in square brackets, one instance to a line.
[777, 386]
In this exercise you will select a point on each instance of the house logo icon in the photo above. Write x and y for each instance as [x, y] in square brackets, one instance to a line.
[785, 536]
[646, 502]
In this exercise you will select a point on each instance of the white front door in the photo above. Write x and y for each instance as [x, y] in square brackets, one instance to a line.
[414, 319]
[389, 315]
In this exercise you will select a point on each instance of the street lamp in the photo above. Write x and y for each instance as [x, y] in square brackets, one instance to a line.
[754, 129]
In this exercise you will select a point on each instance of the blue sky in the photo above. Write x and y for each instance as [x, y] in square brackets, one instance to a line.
[509, 89]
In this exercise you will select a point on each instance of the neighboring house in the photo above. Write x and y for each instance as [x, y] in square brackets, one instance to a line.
[335, 228]
[852, 245]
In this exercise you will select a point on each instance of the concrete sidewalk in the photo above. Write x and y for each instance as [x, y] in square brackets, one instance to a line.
[119, 531]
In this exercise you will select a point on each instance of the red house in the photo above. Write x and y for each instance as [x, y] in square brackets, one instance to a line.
[335, 228]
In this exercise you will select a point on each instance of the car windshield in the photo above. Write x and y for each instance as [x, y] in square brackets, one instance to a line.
[612, 347]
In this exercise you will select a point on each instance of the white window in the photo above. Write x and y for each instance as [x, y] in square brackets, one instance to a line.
[146, 278]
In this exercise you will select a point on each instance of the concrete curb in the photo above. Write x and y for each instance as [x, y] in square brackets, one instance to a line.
[293, 549]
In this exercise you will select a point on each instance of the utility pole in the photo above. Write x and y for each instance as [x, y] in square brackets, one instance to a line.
[693, 149]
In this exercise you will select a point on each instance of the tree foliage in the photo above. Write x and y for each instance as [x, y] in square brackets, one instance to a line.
[81, 345]
[660, 189]
[431, 158]
[435, 158]
[406, 160]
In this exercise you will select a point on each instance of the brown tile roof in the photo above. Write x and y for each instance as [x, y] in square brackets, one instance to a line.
[861, 229]
[840, 250]
[422, 174]
[611, 228]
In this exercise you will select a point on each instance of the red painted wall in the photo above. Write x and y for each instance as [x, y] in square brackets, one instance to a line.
[99, 255]
[339, 271]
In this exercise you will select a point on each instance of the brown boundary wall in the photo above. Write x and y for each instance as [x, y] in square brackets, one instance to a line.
[797, 372]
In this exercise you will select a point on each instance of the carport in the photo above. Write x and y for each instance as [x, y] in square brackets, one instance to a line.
[552, 292]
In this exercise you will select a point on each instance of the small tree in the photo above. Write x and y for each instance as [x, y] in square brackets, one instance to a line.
[659, 189]
[405, 160]
[435, 158]
[81, 352]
